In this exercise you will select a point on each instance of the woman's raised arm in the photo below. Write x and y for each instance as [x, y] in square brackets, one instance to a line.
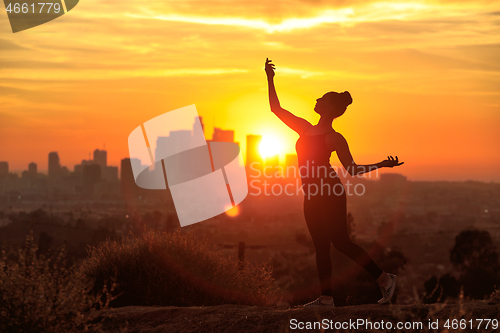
[298, 124]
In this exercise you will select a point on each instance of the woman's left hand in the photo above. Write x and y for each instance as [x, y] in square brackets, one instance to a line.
[390, 162]
[269, 68]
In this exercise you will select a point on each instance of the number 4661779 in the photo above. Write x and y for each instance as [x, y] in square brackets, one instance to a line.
[455, 324]
[25, 8]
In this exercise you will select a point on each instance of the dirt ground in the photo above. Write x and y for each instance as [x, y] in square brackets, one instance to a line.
[234, 318]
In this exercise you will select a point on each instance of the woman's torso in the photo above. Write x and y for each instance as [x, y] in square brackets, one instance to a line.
[313, 154]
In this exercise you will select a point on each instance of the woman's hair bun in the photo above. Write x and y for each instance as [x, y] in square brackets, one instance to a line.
[346, 98]
[342, 99]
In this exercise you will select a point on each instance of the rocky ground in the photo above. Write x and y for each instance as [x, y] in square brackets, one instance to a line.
[233, 318]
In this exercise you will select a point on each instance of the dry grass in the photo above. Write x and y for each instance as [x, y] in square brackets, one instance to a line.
[41, 294]
[176, 269]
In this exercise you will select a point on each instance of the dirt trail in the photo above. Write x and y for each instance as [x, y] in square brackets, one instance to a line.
[233, 318]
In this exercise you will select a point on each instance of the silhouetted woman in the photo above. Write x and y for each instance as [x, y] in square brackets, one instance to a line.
[325, 207]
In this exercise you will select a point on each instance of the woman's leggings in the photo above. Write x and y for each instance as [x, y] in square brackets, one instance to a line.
[326, 218]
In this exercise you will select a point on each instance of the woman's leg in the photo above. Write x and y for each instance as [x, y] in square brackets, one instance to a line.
[336, 224]
[321, 241]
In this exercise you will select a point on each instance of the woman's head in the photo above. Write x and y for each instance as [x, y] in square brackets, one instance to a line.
[333, 103]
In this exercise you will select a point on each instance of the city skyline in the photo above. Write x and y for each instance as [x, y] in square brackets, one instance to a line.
[100, 155]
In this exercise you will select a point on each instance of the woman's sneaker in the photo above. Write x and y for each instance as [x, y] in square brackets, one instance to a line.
[320, 301]
[388, 292]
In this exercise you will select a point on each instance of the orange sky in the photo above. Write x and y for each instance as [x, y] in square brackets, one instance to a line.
[424, 76]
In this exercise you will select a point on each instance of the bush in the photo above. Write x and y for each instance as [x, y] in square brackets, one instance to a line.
[41, 294]
[176, 269]
[475, 256]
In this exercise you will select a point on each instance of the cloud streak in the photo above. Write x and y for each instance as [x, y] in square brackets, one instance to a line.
[98, 74]
[348, 16]
[329, 16]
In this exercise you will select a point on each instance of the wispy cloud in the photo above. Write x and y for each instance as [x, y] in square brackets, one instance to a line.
[347, 16]
[305, 74]
[97, 74]
[329, 16]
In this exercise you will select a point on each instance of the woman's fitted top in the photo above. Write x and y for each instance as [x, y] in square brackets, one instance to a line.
[313, 157]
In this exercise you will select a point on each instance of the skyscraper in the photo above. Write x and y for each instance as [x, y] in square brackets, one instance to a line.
[291, 160]
[129, 189]
[4, 168]
[101, 158]
[79, 167]
[110, 173]
[173, 142]
[273, 161]
[162, 143]
[221, 135]
[54, 165]
[291, 165]
[91, 175]
[32, 169]
[253, 154]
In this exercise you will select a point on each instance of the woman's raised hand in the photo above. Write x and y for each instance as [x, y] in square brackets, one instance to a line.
[269, 68]
[390, 162]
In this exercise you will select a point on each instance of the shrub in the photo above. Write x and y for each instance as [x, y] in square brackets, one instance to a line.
[176, 269]
[41, 294]
[475, 255]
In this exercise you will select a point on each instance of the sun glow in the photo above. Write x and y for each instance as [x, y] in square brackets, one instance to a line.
[270, 146]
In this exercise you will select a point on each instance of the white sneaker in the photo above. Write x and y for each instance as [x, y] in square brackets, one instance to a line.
[320, 301]
[387, 293]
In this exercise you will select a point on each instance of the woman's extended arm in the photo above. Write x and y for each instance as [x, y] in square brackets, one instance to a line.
[340, 144]
[298, 124]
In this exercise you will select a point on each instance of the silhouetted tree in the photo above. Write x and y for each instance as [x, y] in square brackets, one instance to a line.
[475, 256]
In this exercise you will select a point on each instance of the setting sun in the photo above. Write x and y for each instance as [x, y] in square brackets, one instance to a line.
[270, 146]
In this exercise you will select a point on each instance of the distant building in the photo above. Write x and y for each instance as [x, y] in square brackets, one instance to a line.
[91, 175]
[32, 169]
[173, 142]
[101, 158]
[4, 168]
[162, 143]
[128, 187]
[253, 154]
[54, 165]
[64, 171]
[221, 135]
[291, 160]
[273, 161]
[78, 169]
[110, 173]
[291, 166]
